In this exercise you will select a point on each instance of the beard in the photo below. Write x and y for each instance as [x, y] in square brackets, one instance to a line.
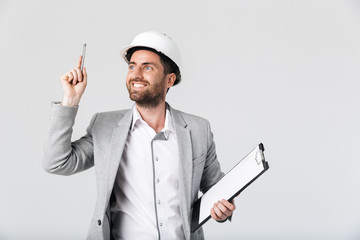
[149, 98]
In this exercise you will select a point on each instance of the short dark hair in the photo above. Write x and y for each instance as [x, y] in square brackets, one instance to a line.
[168, 64]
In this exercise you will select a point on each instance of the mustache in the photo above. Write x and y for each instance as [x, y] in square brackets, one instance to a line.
[138, 81]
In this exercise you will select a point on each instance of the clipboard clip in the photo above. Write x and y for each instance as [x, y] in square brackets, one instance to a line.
[259, 155]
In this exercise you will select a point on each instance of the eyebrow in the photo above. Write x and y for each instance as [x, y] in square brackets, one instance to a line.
[144, 63]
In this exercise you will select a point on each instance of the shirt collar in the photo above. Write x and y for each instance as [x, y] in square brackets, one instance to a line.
[136, 118]
[169, 127]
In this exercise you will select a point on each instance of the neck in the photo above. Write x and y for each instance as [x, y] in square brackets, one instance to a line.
[153, 116]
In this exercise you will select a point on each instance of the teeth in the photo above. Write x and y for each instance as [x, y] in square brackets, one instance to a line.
[138, 85]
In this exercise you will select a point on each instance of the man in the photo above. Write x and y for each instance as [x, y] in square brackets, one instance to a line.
[150, 161]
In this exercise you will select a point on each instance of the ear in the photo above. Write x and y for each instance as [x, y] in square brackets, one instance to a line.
[171, 79]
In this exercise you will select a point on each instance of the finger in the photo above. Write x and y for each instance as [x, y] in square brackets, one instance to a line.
[84, 75]
[79, 62]
[229, 205]
[233, 202]
[65, 77]
[70, 77]
[79, 74]
[213, 215]
[224, 209]
[218, 212]
[76, 77]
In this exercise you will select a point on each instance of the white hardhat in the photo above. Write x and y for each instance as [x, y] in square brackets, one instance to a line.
[157, 41]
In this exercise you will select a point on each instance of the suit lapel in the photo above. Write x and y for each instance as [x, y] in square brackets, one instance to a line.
[118, 140]
[185, 157]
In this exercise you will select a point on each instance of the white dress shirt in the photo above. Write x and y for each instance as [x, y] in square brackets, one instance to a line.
[146, 188]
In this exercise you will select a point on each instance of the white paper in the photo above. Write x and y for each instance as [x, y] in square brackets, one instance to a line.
[246, 170]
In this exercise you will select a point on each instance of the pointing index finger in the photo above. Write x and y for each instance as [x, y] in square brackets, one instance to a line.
[79, 62]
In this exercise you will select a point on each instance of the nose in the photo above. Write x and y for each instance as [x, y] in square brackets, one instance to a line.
[136, 73]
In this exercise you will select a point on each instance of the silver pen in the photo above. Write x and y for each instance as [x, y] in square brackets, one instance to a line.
[83, 57]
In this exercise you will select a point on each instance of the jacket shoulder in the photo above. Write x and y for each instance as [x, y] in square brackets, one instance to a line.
[193, 120]
[114, 113]
[110, 117]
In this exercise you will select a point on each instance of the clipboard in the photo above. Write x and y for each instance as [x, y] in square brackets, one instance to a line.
[232, 184]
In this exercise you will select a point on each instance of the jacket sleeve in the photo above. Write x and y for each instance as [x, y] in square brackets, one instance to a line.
[61, 156]
[212, 170]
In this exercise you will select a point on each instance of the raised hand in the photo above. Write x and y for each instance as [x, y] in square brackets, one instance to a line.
[73, 85]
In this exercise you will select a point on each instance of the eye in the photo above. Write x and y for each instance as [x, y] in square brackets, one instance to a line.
[148, 68]
[131, 67]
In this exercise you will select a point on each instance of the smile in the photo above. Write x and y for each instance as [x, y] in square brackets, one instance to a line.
[139, 85]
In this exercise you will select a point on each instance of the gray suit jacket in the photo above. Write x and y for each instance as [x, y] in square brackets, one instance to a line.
[102, 147]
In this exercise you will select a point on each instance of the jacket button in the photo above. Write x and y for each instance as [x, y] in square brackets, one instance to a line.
[99, 222]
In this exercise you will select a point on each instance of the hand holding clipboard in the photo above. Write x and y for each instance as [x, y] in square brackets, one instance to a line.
[232, 184]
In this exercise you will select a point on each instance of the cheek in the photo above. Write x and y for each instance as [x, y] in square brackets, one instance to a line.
[128, 77]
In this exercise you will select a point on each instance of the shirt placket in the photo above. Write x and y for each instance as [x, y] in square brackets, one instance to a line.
[158, 184]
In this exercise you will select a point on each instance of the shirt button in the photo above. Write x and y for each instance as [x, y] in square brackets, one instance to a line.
[99, 222]
[157, 180]
[159, 202]
[157, 159]
[160, 224]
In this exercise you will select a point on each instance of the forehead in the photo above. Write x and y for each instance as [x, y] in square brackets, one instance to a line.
[141, 56]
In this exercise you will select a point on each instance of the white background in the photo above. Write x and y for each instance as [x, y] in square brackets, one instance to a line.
[285, 73]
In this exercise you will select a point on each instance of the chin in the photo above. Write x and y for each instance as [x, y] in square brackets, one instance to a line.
[134, 97]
